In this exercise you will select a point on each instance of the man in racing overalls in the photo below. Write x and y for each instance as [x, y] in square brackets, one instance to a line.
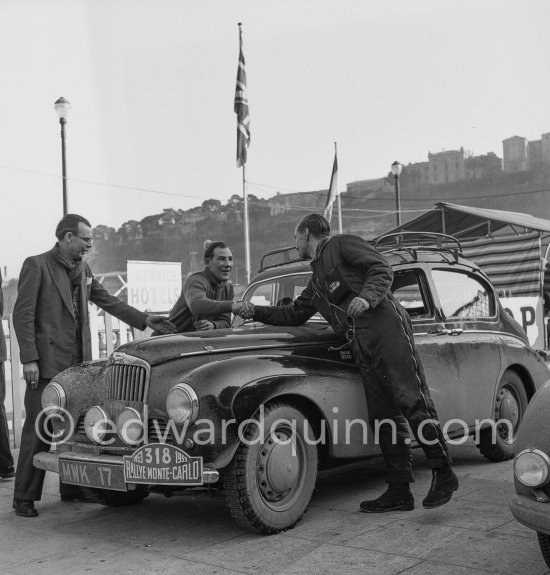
[350, 287]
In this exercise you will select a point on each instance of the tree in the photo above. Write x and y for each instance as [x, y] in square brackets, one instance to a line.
[211, 206]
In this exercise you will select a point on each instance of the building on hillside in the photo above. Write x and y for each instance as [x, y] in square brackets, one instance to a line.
[281, 203]
[446, 167]
[366, 187]
[520, 155]
[488, 166]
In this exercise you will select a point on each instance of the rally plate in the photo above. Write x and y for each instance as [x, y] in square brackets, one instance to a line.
[163, 464]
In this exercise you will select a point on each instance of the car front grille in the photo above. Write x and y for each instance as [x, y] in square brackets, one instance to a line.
[128, 378]
[157, 431]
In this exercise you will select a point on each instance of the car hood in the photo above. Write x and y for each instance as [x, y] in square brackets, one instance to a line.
[160, 349]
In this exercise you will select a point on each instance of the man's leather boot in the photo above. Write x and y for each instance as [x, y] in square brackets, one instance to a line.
[397, 497]
[24, 508]
[444, 482]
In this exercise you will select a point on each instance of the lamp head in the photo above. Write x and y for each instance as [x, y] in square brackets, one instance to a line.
[396, 168]
[62, 107]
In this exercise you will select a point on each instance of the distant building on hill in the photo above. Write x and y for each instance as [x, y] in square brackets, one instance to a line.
[520, 154]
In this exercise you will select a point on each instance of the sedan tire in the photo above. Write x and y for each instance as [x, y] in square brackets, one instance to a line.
[544, 542]
[510, 405]
[269, 483]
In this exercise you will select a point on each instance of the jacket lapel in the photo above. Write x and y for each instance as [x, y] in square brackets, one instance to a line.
[61, 281]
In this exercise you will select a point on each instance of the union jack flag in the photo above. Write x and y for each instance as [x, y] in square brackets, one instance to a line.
[241, 109]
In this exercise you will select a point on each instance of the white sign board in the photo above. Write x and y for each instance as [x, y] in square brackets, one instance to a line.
[153, 286]
[528, 312]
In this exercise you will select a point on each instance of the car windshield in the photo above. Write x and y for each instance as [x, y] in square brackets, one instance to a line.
[282, 290]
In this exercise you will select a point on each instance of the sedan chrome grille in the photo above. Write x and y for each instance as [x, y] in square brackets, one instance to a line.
[128, 378]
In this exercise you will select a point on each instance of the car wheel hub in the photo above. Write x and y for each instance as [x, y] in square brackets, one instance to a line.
[507, 408]
[278, 468]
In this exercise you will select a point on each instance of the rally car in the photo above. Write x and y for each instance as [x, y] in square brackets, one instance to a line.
[257, 410]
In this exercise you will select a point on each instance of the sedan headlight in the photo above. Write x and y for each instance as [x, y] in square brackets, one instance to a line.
[129, 425]
[182, 403]
[532, 467]
[54, 398]
[97, 424]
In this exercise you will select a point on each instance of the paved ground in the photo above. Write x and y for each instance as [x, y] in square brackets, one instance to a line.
[474, 534]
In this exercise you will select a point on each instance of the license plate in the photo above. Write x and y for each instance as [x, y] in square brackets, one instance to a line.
[92, 474]
[162, 464]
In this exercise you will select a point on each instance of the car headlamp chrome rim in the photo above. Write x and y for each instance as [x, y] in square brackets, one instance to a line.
[182, 404]
[532, 467]
[129, 426]
[97, 424]
[54, 398]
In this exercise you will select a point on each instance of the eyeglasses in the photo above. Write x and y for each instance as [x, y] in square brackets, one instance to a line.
[87, 241]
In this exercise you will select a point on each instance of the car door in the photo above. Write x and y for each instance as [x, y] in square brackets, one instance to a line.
[412, 288]
[469, 344]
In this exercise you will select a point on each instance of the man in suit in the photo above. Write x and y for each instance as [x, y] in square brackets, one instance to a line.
[52, 327]
[6, 460]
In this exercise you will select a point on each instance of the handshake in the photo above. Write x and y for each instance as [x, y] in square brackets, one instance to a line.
[243, 309]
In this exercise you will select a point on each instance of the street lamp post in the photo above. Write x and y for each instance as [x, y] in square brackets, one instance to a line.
[62, 107]
[396, 168]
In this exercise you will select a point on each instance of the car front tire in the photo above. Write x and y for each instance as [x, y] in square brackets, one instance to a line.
[544, 543]
[269, 483]
[510, 404]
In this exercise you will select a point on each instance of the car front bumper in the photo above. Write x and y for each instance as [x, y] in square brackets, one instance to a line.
[100, 471]
[531, 513]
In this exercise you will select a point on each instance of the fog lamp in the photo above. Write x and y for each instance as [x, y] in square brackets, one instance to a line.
[97, 424]
[129, 425]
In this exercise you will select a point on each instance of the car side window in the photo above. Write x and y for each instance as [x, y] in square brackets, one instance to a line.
[409, 290]
[463, 296]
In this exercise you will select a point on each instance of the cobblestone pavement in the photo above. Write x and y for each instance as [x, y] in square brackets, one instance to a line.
[474, 534]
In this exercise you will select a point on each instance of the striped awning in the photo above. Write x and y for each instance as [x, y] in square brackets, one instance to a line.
[513, 263]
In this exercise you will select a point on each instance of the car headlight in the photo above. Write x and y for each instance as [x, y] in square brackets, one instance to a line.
[97, 424]
[532, 467]
[182, 403]
[129, 425]
[54, 398]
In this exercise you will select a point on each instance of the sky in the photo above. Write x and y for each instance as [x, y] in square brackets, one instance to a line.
[152, 82]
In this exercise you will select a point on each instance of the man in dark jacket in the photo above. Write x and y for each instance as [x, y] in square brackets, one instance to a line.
[206, 300]
[52, 327]
[350, 287]
[7, 469]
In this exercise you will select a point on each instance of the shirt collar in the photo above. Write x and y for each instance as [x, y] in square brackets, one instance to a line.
[212, 279]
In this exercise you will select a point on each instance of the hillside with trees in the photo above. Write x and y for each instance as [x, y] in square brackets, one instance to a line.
[178, 235]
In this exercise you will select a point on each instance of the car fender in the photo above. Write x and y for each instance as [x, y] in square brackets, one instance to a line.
[329, 391]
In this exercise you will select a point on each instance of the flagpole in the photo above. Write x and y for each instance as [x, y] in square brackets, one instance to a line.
[246, 230]
[338, 196]
[243, 141]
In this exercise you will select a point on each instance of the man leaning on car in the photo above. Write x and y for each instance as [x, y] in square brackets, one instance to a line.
[206, 300]
[350, 287]
[52, 327]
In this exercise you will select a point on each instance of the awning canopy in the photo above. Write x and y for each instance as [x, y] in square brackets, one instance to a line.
[470, 222]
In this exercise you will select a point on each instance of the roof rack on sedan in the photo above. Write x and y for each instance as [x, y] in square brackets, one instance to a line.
[412, 242]
[285, 258]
